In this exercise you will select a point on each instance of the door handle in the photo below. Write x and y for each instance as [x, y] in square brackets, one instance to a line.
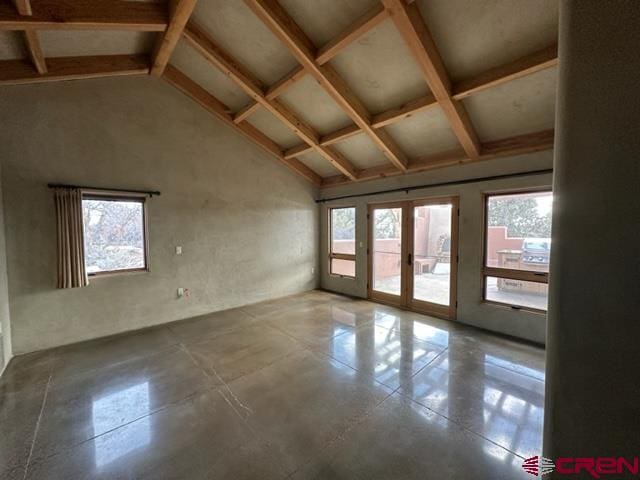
[409, 260]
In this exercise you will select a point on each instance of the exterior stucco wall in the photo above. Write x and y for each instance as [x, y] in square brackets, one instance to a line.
[247, 225]
[471, 309]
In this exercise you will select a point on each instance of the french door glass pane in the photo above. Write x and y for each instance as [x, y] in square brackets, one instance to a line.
[432, 253]
[387, 250]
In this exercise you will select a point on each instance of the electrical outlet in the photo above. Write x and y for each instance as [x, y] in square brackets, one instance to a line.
[178, 250]
[180, 292]
[313, 270]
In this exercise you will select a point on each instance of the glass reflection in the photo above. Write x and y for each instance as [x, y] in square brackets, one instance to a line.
[422, 331]
[391, 353]
[513, 405]
[111, 411]
[343, 317]
[488, 394]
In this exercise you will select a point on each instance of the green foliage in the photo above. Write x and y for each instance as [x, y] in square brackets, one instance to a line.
[520, 216]
[113, 235]
[343, 223]
[387, 223]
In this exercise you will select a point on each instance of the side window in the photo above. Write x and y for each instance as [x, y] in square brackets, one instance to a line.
[114, 234]
[518, 245]
[342, 241]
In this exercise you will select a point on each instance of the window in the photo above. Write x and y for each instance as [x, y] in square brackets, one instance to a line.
[114, 234]
[517, 249]
[342, 241]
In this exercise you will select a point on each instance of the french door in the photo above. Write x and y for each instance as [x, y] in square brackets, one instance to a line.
[412, 255]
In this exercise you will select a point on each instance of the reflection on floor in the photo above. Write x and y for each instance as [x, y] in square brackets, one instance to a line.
[430, 287]
[310, 386]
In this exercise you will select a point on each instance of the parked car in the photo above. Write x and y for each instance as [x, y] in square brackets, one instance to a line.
[536, 250]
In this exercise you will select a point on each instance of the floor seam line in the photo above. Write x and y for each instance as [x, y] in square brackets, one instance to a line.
[223, 383]
[219, 391]
[158, 410]
[37, 427]
[340, 436]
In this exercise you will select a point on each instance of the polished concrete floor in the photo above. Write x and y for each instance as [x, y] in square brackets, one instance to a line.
[310, 386]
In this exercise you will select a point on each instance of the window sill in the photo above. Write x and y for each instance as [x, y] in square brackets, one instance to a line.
[118, 273]
[334, 275]
[516, 308]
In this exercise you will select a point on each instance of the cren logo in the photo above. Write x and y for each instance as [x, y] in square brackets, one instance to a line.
[538, 466]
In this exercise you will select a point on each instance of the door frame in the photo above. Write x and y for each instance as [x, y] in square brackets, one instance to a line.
[442, 311]
[405, 300]
[387, 298]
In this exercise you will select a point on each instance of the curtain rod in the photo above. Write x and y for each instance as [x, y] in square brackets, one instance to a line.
[151, 193]
[440, 184]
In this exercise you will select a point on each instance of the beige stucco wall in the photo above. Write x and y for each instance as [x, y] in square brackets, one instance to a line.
[592, 376]
[5, 326]
[247, 225]
[471, 309]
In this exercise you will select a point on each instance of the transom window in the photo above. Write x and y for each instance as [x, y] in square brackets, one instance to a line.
[342, 241]
[517, 249]
[114, 234]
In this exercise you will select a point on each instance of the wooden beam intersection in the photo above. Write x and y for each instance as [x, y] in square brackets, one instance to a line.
[535, 62]
[413, 29]
[35, 51]
[357, 29]
[220, 110]
[31, 38]
[219, 58]
[512, 146]
[181, 10]
[292, 36]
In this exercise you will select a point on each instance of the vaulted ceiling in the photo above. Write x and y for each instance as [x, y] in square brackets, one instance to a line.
[339, 91]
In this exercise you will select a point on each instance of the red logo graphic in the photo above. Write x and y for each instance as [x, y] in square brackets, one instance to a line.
[538, 466]
[596, 467]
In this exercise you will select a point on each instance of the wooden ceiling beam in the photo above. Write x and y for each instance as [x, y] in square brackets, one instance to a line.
[92, 15]
[190, 88]
[285, 28]
[23, 7]
[19, 72]
[35, 51]
[512, 146]
[219, 58]
[31, 38]
[362, 25]
[526, 65]
[180, 12]
[273, 92]
[413, 29]
[246, 112]
[532, 63]
[358, 28]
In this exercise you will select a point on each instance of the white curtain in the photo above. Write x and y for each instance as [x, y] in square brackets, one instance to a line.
[71, 268]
